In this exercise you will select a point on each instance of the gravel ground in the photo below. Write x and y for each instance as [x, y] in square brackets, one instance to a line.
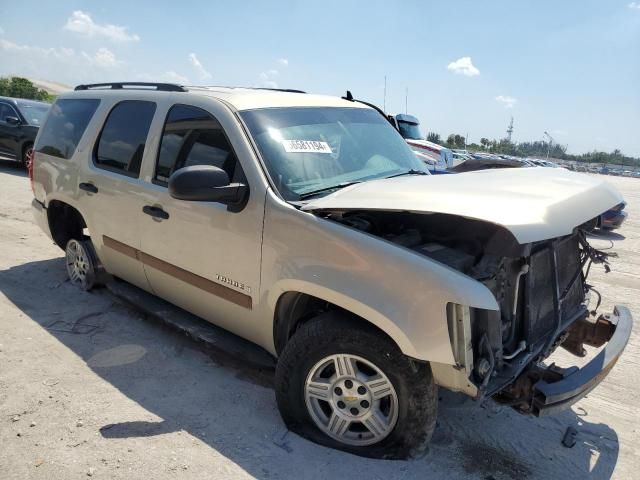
[90, 387]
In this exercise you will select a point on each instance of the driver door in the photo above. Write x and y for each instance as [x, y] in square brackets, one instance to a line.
[202, 256]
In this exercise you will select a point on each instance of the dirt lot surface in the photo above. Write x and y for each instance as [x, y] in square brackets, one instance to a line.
[90, 387]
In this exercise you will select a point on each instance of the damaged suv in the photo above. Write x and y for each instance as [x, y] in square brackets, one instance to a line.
[305, 224]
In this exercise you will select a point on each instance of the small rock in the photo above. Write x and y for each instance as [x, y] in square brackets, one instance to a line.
[79, 423]
[16, 418]
[39, 462]
[19, 434]
[32, 424]
[91, 471]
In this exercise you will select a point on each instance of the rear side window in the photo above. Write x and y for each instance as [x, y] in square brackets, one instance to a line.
[65, 125]
[123, 137]
[192, 136]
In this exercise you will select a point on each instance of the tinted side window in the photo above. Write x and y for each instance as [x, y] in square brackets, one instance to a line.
[65, 124]
[6, 111]
[123, 137]
[191, 136]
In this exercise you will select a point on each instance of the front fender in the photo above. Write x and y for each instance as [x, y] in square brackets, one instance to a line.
[345, 302]
[403, 293]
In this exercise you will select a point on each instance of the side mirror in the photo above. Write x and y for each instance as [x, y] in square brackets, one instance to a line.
[12, 120]
[204, 183]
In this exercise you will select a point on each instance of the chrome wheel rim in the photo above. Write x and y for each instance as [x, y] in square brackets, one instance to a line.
[351, 400]
[28, 157]
[78, 266]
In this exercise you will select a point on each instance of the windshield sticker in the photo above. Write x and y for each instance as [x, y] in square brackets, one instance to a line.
[306, 146]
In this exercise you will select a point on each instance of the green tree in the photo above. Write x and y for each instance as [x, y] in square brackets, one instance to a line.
[19, 87]
[455, 141]
[434, 137]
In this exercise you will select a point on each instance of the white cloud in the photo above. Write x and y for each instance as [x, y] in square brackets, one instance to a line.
[58, 64]
[507, 101]
[173, 77]
[102, 58]
[463, 66]
[267, 78]
[202, 72]
[57, 53]
[284, 62]
[634, 5]
[82, 23]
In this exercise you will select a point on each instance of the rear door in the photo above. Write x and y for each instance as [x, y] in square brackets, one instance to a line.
[203, 256]
[111, 192]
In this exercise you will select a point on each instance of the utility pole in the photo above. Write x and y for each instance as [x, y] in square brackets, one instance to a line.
[549, 143]
[510, 130]
[406, 100]
[384, 100]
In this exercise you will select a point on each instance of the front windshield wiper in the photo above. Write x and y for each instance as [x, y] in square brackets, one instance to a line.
[408, 172]
[313, 193]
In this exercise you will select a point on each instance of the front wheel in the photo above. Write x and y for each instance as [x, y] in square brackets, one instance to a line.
[343, 384]
[27, 156]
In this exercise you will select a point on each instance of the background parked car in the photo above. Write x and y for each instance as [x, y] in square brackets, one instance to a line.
[612, 219]
[19, 123]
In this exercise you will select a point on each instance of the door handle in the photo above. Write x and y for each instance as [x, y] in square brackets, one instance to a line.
[88, 187]
[155, 212]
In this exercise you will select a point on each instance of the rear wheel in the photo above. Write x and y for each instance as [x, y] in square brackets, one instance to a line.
[83, 267]
[343, 384]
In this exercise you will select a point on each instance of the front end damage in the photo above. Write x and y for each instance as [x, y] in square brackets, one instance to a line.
[541, 288]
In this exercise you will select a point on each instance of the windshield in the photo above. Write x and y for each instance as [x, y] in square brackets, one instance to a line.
[409, 130]
[34, 113]
[315, 148]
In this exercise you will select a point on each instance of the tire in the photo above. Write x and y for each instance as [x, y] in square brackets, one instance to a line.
[83, 268]
[381, 426]
[27, 153]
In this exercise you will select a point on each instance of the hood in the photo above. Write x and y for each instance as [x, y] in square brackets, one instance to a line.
[532, 203]
[424, 144]
[484, 164]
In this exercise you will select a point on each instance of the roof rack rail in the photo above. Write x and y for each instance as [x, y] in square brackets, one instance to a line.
[289, 90]
[161, 87]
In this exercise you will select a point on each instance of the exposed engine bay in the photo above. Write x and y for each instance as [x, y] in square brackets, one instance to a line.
[541, 289]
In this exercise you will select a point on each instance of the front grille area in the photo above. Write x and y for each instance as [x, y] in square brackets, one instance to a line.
[540, 318]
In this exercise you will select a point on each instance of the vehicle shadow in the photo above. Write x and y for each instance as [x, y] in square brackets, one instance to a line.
[602, 234]
[11, 167]
[226, 408]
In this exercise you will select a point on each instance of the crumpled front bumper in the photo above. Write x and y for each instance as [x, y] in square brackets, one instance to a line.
[552, 397]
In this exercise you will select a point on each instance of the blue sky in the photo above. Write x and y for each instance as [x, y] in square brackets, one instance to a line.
[569, 67]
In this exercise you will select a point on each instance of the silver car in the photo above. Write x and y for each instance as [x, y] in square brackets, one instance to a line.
[305, 224]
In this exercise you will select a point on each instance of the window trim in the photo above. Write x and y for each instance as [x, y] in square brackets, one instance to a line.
[160, 183]
[94, 153]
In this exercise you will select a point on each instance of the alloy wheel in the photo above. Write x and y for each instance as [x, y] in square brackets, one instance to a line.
[351, 400]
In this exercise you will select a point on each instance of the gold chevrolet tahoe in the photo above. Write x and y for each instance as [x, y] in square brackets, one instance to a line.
[305, 224]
